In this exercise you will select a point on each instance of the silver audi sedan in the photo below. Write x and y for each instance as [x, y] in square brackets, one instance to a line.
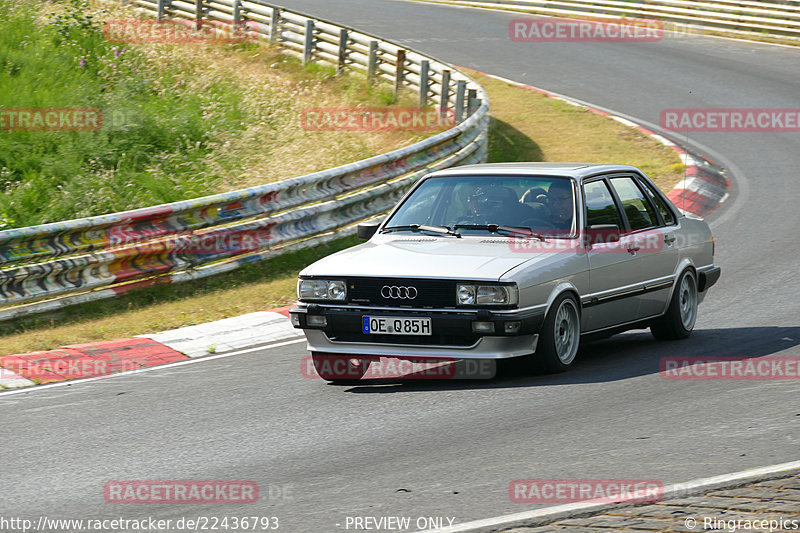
[509, 262]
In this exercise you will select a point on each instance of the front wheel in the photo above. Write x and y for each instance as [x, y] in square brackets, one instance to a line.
[678, 321]
[339, 368]
[560, 336]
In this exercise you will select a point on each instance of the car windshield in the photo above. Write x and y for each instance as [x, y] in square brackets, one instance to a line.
[508, 205]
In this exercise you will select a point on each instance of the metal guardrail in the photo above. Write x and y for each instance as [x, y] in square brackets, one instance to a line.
[773, 17]
[54, 265]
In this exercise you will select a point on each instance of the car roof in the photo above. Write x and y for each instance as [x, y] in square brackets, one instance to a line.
[573, 170]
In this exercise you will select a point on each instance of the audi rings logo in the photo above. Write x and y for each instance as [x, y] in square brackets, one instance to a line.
[398, 293]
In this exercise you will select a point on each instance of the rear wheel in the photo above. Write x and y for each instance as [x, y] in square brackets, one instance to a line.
[339, 368]
[678, 321]
[560, 336]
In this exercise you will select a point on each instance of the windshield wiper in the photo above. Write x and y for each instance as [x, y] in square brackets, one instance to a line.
[443, 230]
[500, 228]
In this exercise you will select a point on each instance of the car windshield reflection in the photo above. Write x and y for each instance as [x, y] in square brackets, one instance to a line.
[475, 205]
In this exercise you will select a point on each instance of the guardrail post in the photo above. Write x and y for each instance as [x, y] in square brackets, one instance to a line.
[424, 67]
[161, 9]
[372, 60]
[461, 89]
[398, 77]
[274, 25]
[308, 46]
[198, 13]
[343, 40]
[473, 103]
[237, 12]
[444, 97]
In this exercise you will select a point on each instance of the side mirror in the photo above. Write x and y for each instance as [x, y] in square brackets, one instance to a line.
[367, 229]
[600, 233]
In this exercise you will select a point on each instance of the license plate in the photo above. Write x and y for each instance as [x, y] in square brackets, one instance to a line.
[394, 325]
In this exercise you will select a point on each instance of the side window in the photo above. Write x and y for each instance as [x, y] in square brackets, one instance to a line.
[640, 213]
[600, 206]
[666, 214]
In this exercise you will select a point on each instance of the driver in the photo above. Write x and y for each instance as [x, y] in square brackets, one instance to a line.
[491, 205]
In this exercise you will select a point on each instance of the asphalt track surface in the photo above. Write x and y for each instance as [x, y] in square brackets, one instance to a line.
[450, 449]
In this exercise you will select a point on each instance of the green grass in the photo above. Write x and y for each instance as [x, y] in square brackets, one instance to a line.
[152, 150]
[179, 121]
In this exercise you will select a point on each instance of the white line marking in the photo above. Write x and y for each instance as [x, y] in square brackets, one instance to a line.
[150, 368]
[678, 490]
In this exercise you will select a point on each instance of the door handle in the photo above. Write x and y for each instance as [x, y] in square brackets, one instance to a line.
[633, 249]
[669, 239]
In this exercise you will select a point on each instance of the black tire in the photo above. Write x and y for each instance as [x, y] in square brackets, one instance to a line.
[559, 338]
[336, 368]
[678, 322]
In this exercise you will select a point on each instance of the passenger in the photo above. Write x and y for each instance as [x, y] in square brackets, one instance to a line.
[561, 204]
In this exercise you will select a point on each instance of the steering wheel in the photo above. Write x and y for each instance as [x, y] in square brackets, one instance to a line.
[534, 223]
[469, 220]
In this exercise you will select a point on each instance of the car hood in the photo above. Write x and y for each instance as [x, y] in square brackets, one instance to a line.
[476, 258]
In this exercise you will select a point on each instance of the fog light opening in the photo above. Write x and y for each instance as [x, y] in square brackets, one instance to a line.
[316, 320]
[483, 327]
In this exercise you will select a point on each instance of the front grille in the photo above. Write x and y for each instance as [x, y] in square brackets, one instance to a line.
[430, 293]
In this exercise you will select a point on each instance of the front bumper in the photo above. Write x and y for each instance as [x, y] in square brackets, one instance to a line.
[452, 333]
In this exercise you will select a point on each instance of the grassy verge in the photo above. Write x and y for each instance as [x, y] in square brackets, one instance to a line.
[530, 126]
[254, 287]
[526, 126]
[180, 120]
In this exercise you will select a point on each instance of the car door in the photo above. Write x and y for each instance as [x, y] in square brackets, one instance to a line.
[614, 272]
[653, 241]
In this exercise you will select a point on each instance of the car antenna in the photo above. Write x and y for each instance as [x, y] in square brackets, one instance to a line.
[685, 169]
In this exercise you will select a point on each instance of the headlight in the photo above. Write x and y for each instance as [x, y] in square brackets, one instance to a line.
[467, 294]
[492, 295]
[321, 289]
